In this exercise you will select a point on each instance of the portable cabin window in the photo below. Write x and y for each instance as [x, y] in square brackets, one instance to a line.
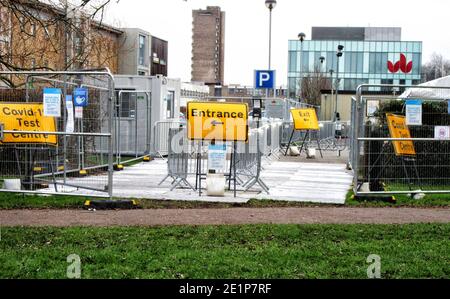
[127, 105]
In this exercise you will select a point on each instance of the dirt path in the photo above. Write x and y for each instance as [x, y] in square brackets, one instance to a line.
[64, 218]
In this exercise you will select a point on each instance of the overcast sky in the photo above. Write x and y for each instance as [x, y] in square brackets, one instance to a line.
[246, 33]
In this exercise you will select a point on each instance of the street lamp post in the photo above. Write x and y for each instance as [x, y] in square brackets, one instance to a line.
[257, 103]
[301, 37]
[270, 4]
[320, 82]
[332, 86]
[339, 54]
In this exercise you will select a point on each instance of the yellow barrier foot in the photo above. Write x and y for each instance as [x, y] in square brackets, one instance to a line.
[118, 167]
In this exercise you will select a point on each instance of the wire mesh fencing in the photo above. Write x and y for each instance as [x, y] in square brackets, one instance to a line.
[53, 141]
[398, 149]
[132, 125]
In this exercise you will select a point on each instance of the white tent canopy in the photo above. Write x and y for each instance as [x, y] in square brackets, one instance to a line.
[430, 93]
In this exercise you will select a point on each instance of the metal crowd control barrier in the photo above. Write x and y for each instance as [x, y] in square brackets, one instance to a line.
[383, 165]
[133, 123]
[333, 136]
[183, 154]
[178, 158]
[50, 146]
[161, 133]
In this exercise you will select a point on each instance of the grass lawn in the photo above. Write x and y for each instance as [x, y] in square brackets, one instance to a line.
[430, 200]
[257, 251]
[20, 201]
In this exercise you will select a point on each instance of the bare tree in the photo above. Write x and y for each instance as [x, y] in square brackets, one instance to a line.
[436, 68]
[312, 85]
[54, 35]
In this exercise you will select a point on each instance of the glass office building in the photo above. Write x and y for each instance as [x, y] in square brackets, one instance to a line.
[363, 61]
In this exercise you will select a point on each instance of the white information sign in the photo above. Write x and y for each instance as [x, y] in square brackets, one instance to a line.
[441, 132]
[70, 124]
[217, 157]
[78, 112]
[372, 107]
[414, 112]
[52, 102]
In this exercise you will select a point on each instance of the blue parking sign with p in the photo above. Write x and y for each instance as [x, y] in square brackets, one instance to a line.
[80, 97]
[264, 79]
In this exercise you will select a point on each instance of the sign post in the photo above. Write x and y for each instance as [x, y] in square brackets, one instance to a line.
[215, 122]
[398, 128]
[304, 120]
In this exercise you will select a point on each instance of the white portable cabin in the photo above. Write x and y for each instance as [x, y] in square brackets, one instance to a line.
[164, 106]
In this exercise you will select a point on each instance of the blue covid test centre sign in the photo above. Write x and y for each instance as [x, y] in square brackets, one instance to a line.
[80, 96]
[265, 79]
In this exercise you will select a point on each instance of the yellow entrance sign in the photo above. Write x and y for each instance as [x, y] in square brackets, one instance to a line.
[26, 117]
[399, 129]
[305, 119]
[217, 121]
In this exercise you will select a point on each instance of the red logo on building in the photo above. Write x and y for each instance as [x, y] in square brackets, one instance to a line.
[401, 65]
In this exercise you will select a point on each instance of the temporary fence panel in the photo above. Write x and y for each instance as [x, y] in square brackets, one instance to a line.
[161, 133]
[132, 123]
[58, 132]
[398, 149]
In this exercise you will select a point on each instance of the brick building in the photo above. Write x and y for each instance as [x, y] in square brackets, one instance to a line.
[32, 37]
[208, 46]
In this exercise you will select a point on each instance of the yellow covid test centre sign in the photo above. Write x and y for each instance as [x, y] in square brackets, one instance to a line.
[399, 129]
[26, 117]
[305, 119]
[217, 121]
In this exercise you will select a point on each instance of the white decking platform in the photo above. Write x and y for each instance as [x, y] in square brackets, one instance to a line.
[288, 181]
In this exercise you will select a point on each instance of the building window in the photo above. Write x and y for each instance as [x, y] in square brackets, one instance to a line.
[378, 63]
[292, 61]
[141, 50]
[305, 62]
[417, 63]
[127, 105]
[331, 60]
[354, 62]
[388, 82]
[170, 112]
